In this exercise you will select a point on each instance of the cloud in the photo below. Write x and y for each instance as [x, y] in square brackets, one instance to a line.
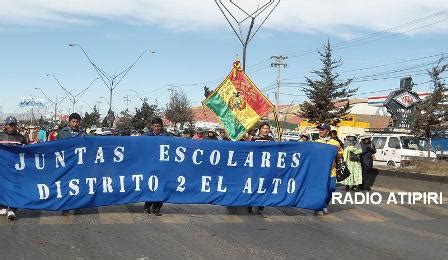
[344, 17]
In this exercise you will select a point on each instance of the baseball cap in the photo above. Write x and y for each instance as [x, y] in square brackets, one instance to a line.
[10, 120]
[324, 126]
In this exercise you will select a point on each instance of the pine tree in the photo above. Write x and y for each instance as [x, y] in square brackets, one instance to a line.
[91, 119]
[325, 91]
[144, 115]
[432, 113]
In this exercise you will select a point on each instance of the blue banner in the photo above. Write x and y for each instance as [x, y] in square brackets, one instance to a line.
[96, 171]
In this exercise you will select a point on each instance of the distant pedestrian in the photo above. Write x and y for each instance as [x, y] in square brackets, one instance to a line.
[199, 134]
[53, 134]
[353, 161]
[368, 150]
[223, 135]
[187, 133]
[304, 138]
[211, 135]
[42, 135]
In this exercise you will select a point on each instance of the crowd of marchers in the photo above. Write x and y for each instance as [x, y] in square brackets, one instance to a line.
[356, 154]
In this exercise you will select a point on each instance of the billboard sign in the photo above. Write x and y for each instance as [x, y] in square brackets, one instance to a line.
[31, 103]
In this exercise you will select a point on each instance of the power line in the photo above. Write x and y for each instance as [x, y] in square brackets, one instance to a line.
[364, 39]
[353, 42]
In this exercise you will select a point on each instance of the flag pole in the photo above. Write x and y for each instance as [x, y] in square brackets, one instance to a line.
[279, 133]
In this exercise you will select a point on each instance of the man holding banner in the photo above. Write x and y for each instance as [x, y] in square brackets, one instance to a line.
[10, 136]
[156, 130]
[263, 136]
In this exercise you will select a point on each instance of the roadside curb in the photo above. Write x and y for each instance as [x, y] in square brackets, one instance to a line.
[413, 175]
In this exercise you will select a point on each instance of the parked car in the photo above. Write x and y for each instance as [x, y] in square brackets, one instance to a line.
[440, 147]
[400, 149]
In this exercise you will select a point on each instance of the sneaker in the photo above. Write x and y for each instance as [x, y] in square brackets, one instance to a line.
[147, 210]
[157, 212]
[325, 211]
[11, 215]
[319, 212]
[3, 212]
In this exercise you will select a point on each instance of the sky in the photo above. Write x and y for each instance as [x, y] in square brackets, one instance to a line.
[379, 42]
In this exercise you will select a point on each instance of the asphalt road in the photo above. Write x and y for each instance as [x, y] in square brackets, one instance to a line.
[215, 232]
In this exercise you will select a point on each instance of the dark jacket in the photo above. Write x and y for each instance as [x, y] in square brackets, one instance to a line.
[163, 133]
[12, 138]
[68, 132]
[263, 139]
[368, 150]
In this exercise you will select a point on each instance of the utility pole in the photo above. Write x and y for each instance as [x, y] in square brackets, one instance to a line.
[127, 100]
[56, 102]
[278, 62]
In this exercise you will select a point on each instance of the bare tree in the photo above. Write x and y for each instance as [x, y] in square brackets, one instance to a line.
[178, 110]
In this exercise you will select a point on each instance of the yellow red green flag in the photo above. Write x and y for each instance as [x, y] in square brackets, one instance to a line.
[237, 103]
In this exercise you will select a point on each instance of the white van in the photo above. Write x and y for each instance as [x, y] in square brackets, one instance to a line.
[399, 149]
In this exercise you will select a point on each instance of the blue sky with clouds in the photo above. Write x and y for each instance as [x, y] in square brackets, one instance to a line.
[195, 46]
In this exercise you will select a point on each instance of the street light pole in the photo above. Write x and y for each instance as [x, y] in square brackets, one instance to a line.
[111, 81]
[55, 102]
[73, 98]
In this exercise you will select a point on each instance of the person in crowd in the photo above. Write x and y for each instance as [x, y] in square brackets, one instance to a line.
[53, 133]
[34, 138]
[73, 128]
[188, 133]
[10, 136]
[353, 161]
[368, 150]
[135, 133]
[211, 135]
[223, 135]
[125, 132]
[334, 135]
[42, 135]
[251, 135]
[324, 137]
[263, 136]
[304, 138]
[199, 134]
[156, 130]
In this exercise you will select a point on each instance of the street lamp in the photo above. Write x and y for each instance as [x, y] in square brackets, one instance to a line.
[111, 81]
[55, 102]
[73, 98]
